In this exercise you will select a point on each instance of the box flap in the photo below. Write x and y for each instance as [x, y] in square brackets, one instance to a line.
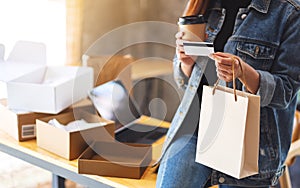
[28, 52]
[25, 57]
[2, 52]
[10, 71]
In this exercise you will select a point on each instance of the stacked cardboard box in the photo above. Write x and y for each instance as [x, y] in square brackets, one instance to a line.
[36, 93]
[29, 89]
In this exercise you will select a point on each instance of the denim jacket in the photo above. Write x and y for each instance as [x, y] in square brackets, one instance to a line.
[266, 35]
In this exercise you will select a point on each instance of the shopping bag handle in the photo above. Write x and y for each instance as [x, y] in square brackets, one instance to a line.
[233, 79]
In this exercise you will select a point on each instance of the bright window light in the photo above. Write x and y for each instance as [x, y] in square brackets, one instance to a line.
[35, 20]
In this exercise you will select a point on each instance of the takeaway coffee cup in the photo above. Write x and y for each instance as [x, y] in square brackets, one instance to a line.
[193, 27]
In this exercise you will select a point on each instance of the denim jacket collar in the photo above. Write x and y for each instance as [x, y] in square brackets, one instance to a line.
[260, 5]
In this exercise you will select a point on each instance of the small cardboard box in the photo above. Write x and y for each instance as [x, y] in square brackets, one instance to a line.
[70, 145]
[115, 159]
[50, 89]
[19, 125]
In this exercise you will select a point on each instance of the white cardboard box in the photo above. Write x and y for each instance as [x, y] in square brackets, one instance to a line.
[25, 57]
[50, 89]
[29, 85]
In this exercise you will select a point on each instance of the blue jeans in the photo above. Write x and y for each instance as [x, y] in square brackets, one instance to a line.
[178, 168]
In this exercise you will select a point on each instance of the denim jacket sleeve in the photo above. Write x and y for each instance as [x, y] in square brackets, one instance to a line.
[279, 86]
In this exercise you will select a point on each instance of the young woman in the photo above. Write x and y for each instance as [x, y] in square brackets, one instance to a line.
[263, 37]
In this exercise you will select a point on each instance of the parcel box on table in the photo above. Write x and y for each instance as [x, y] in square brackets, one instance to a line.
[115, 159]
[21, 124]
[18, 124]
[70, 144]
[50, 89]
[24, 58]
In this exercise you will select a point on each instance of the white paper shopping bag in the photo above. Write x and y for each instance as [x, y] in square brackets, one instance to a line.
[228, 138]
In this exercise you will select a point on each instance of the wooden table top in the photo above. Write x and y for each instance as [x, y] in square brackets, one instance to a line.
[30, 148]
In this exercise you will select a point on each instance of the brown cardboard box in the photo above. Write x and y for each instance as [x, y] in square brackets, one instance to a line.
[19, 125]
[70, 145]
[115, 159]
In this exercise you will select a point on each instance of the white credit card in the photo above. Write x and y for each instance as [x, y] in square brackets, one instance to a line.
[198, 48]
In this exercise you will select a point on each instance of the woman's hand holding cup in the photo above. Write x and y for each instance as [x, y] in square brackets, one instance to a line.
[187, 62]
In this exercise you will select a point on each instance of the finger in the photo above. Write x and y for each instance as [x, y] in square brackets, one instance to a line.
[225, 74]
[180, 49]
[227, 58]
[221, 76]
[184, 56]
[222, 54]
[178, 53]
[221, 65]
[226, 62]
[211, 56]
[179, 34]
[179, 42]
[219, 59]
[224, 69]
[187, 60]
[225, 77]
[181, 56]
